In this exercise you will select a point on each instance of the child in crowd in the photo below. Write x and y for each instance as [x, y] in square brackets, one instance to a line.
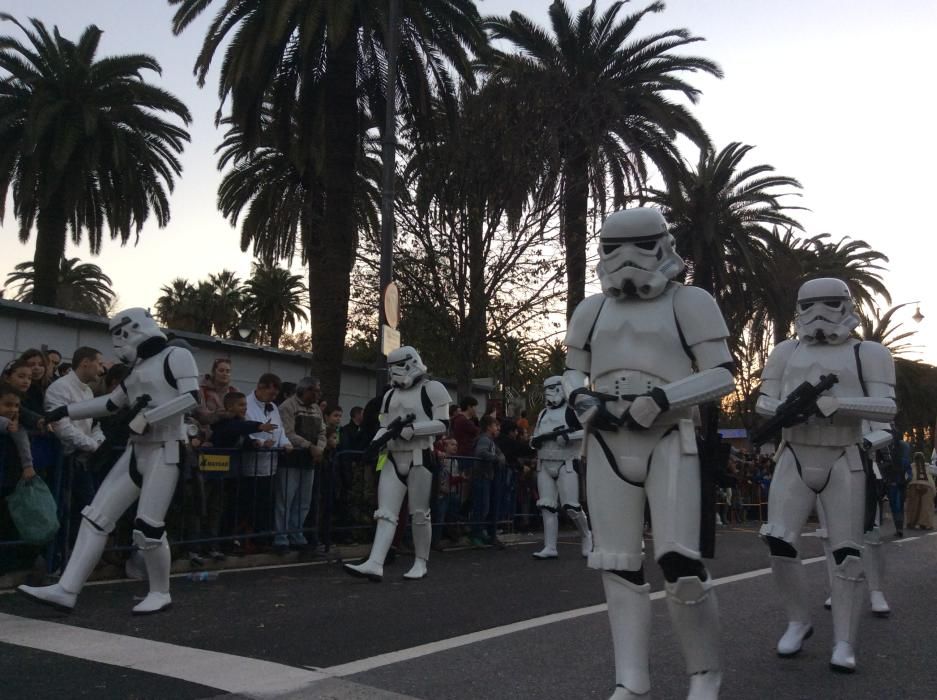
[230, 432]
[449, 490]
[18, 375]
[18, 463]
[10, 426]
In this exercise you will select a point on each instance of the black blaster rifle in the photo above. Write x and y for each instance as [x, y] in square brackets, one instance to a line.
[538, 441]
[796, 408]
[392, 432]
[141, 402]
[604, 419]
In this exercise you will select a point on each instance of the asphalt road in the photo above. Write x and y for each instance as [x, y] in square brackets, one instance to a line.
[311, 631]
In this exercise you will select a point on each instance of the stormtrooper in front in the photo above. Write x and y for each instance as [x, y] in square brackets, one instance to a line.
[161, 388]
[421, 406]
[819, 458]
[558, 440]
[640, 357]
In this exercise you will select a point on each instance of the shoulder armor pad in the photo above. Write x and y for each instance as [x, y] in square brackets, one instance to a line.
[437, 393]
[875, 363]
[182, 363]
[579, 329]
[777, 360]
[698, 316]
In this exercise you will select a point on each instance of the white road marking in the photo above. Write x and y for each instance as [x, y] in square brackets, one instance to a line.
[393, 657]
[254, 677]
[227, 672]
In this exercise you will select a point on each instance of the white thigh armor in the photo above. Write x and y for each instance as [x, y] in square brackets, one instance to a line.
[624, 469]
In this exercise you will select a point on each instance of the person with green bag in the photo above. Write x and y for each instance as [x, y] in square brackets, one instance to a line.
[16, 466]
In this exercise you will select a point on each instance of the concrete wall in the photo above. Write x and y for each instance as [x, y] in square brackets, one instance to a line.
[24, 326]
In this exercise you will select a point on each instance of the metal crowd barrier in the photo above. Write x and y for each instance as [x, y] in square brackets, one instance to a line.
[230, 497]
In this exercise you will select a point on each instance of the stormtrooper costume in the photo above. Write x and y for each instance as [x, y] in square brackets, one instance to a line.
[557, 480]
[148, 468]
[406, 472]
[876, 436]
[820, 459]
[651, 350]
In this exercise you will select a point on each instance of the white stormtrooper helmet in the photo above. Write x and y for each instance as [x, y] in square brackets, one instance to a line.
[636, 255]
[553, 394]
[825, 312]
[405, 367]
[129, 329]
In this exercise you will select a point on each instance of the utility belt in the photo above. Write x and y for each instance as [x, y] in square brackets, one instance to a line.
[627, 384]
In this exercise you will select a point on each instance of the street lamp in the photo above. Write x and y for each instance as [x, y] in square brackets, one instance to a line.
[245, 330]
[918, 316]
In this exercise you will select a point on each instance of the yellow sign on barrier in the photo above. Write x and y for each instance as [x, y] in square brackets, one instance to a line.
[214, 463]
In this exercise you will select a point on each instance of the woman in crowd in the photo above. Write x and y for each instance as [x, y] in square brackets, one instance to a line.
[212, 390]
[37, 363]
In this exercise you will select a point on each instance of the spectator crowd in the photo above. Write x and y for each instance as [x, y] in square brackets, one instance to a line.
[274, 468]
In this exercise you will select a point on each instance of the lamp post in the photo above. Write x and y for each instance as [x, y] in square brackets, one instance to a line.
[245, 330]
[389, 155]
[389, 163]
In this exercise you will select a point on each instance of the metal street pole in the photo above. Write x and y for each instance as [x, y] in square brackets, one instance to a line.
[389, 162]
[389, 152]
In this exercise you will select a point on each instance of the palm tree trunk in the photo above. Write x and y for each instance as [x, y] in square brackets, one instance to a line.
[330, 263]
[575, 206]
[50, 249]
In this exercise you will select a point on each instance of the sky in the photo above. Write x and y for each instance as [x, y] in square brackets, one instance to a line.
[836, 93]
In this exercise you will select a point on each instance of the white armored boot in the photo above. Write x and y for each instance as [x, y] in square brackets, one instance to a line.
[695, 616]
[422, 538]
[875, 574]
[551, 528]
[792, 585]
[629, 613]
[582, 524]
[373, 568]
[89, 545]
[848, 581]
[158, 562]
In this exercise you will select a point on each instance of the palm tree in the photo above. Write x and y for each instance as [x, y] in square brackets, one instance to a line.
[881, 328]
[82, 144]
[854, 262]
[184, 306]
[721, 215]
[226, 299]
[320, 63]
[80, 287]
[776, 276]
[283, 203]
[604, 94]
[274, 300]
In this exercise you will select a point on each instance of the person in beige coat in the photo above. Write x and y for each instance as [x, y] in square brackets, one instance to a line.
[919, 508]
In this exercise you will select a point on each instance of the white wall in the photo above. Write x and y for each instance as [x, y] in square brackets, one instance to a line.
[24, 326]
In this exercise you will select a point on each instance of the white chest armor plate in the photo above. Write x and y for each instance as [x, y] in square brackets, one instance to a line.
[806, 364]
[553, 450]
[636, 346]
[403, 402]
[149, 377]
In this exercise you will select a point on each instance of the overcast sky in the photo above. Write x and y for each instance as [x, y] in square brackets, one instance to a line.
[837, 93]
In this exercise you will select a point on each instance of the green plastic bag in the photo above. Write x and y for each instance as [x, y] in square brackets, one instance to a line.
[33, 511]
